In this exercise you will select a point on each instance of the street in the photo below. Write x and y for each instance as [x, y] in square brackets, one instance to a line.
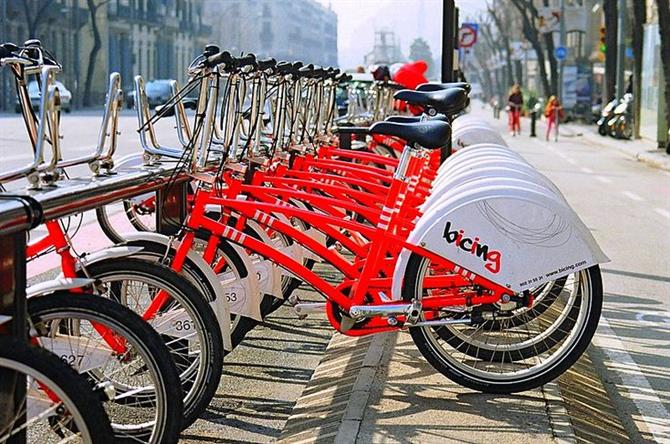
[626, 204]
[623, 384]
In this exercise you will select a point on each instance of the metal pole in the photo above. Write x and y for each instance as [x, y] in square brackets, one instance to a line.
[455, 46]
[77, 66]
[4, 84]
[621, 49]
[448, 35]
[562, 62]
[13, 303]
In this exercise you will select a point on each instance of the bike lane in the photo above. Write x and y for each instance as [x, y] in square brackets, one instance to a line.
[626, 204]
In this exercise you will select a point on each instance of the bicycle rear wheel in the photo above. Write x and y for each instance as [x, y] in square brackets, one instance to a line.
[56, 405]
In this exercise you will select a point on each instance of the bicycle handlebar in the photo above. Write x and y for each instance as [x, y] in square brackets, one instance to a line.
[266, 64]
[219, 58]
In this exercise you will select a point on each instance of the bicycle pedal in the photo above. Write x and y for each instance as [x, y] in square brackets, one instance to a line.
[347, 323]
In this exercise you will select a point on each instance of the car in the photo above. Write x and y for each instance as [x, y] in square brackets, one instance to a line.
[158, 92]
[35, 97]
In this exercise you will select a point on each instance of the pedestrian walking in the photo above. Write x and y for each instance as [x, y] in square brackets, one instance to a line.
[554, 114]
[515, 102]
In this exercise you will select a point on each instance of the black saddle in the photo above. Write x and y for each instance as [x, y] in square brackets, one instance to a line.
[438, 86]
[429, 134]
[446, 101]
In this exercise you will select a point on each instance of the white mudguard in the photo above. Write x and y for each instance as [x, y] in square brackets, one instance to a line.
[269, 275]
[221, 306]
[474, 134]
[108, 253]
[60, 283]
[518, 238]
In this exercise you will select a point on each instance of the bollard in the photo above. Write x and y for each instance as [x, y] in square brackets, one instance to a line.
[533, 121]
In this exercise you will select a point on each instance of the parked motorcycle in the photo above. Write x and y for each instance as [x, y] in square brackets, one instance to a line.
[604, 117]
[620, 122]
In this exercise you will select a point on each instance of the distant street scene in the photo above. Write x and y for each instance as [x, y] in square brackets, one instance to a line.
[334, 221]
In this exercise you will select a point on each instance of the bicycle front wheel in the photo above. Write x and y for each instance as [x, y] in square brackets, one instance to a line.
[108, 343]
[56, 405]
[186, 322]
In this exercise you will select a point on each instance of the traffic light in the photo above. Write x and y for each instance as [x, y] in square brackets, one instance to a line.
[603, 44]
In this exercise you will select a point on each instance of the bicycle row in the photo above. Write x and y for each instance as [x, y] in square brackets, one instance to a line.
[434, 224]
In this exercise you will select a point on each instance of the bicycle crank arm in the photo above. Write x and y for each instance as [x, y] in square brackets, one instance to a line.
[303, 309]
[369, 311]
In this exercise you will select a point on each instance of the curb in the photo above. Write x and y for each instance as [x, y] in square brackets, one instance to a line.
[561, 426]
[353, 415]
[333, 402]
[653, 158]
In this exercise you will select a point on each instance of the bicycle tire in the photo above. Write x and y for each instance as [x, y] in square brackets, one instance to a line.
[157, 252]
[156, 362]
[72, 389]
[200, 391]
[561, 358]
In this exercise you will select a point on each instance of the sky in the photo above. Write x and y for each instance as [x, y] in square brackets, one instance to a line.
[358, 20]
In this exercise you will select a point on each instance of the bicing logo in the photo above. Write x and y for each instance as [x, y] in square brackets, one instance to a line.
[492, 258]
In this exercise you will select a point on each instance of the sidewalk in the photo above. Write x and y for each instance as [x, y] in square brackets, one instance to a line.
[644, 150]
[411, 402]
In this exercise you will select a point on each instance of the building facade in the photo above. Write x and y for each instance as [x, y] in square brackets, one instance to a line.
[386, 49]
[154, 38]
[289, 30]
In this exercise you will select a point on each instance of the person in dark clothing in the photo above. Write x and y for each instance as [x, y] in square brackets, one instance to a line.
[515, 102]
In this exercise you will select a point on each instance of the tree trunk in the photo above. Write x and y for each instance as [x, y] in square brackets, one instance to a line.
[518, 72]
[504, 36]
[664, 30]
[531, 34]
[611, 25]
[34, 15]
[553, 63]
[93, 55]
[639, 18]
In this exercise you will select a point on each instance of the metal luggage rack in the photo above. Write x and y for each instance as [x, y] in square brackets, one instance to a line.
[50, 195]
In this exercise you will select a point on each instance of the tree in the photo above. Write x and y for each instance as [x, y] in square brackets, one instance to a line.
[610, 10]
[34, 11]
[419, 50]
[494, 50]
[553, 63]
[93, 6]
[664, 30]
[529, 17]
[639, 18]
[502, 22]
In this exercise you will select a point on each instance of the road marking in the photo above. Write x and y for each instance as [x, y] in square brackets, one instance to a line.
[662, 212]
[570, 160]
[652, 411]
[632, 196]
[586, 170]
[604, 179]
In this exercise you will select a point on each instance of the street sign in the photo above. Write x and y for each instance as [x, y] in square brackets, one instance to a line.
[561, 52]
[467, 35]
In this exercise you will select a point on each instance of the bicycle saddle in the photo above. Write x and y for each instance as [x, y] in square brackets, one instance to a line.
[446, 101]
[415, 119]
[439, 86]
[429, 134]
